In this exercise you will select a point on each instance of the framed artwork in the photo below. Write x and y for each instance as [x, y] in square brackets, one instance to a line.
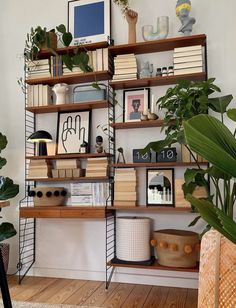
[134, 103]
[89, 20]
[160, 187]
[73, 132]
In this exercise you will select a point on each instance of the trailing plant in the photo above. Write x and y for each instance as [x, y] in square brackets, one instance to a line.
[124, 4]
[7, 190]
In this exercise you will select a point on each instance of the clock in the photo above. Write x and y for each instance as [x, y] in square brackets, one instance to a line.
[167, 155]
[141, 158]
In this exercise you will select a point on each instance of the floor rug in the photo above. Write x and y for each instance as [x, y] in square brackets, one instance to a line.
[41, 305]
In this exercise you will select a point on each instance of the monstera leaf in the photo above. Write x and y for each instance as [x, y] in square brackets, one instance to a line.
[7, 188]
[7, 230]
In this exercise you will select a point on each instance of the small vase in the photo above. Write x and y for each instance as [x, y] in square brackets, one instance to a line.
[60, 89]
[162, 30]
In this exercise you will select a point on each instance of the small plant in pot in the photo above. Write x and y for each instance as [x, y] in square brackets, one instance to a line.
[7, 190]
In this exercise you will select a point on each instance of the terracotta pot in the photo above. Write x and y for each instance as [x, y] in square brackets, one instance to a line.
[217, 275]
[53, 40]
[5, 249]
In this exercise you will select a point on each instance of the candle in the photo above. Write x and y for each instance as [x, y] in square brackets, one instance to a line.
[153, 104]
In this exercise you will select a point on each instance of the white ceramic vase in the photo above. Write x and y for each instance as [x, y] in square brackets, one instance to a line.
[60, 90]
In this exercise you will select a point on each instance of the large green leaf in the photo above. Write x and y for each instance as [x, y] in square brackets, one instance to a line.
[67, 61]
[190, 175]
[157, 146]
[7, 188]
[67, 38]
[3, 162]
[61, 28]
[211, 139]
[215, 217]
[7, 230]
[220, 104]
[3, 142]
[231, 113]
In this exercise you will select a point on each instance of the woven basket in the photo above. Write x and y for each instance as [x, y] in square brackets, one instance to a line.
[5, 249]
[217, 279]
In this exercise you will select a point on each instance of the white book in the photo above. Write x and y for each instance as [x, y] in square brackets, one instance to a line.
[94, 56]
[191, 70]
[189, 48]
[188, 64]
[105, 59]
[128, 55]
[124, 61]
[45, 98]
[40, 93]
[99, 60]
[36, 95]
[29, 96]
[126, 65]
[37, 62]
[90, 54]
[123, 71]
[124, 76]
[123, 79]
[188, 53]
[187, 59]
[39, 76]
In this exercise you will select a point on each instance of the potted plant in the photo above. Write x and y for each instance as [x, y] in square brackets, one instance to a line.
[210, 138]
[7, 190]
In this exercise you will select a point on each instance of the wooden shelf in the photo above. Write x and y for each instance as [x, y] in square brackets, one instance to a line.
[69, 107]
[156, 81]
[161, 164]
[64, 212]
[157, 266]
[69, 156]
[158, 45]
[80, 179]
[151, 209]
[71, 78]
[138, 124]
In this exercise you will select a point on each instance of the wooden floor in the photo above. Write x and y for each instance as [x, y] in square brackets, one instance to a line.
[93, 293]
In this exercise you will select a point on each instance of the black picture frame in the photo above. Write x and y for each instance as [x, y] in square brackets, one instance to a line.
[135, 96]
[69, 135]
[157, 190]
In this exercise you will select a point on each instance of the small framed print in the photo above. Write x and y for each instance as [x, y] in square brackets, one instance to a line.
[160, 187]
[73, 132]
[89, 21]
[134, 103]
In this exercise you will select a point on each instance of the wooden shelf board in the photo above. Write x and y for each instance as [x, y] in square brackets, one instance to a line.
[161, 164]
[158, 45]
[80, 179]
[69, 156]
[4, 203]
[138, 124]
[71, 49]
[157, 266]
[64, 212]
[69, 107]
[71, 78]
[151, 209]
[156, 81]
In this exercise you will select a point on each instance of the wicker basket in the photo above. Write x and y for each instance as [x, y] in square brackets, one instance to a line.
[217, 280]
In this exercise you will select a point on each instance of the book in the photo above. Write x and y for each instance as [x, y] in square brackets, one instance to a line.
[131, 196]
[188, 48]
[37, 62]
[125, 56]
[66, 163]
[188, 65]
[188, 59]
[126, 65]
[99, 60]
[188, 53]
[90, 55]
[123, 71]
[40, 93]
[191, 70]
[30, 96]
[36, 95]
[47, 95]
[35, 76]
[94, 56]
[105, 59]
[125, 76]
[125, 188]
[124, 203]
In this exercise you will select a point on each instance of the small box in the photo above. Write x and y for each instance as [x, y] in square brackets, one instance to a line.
[76, 173]
[69, 173]
[62, 173]
[89, 93]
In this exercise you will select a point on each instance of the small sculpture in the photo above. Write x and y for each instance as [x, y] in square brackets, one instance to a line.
[132, 18]
[144, 117]
[120, 158]
[84, 147]
[146, 71]
[60, 89]
[183, 8]
[98, 146]
[152, 116]
[162, 29]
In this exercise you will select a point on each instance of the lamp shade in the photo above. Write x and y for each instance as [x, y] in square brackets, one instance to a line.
[40, 136]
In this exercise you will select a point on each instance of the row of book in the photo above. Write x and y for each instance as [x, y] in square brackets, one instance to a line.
[67, 168]
[39, 95]
[39, 168]
[188, 60]
[125, 188]
[125, 67]
[38, 69]
[89, 194]
[97, 167]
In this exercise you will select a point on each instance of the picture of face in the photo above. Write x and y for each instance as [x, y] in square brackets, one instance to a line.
[135, 102]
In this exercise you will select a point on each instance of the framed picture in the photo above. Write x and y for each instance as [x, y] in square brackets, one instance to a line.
[134, 103]
[73, 132]
[160, 187]
[89, 20]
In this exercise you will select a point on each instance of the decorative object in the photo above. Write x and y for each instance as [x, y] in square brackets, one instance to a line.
[41, 137]
[160, 187]
[120, 158]
[48, 196]
[162, 30]
[170, 70]
[146, 70]
[73, 132]
[89, 21]
[183, 8]
[176, 248]
[98, 146]
[124, 5]
[134, 103]
[164, 71]
[144, 117]
[133, 238]
[158, 72]
[167, 155]
[152, 116]
[132, 18]
[60, 89]
[138, 157]
[89, 93]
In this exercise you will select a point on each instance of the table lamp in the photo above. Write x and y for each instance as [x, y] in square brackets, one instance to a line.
[41, 137]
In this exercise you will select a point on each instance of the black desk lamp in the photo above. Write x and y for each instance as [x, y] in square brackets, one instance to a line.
[41, 136]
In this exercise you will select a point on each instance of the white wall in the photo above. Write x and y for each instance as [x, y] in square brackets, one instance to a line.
[75, 248]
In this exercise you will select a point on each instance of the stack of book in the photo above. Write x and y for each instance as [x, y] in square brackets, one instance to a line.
[38, 69]
[67, 168]
[125, 187]
[39, 95]
[39, 168]
[97, 167]
[125, 67]
[188, 60]
[89, 194]
[56, 65]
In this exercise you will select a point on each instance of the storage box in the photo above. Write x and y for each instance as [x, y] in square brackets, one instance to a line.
[89, 93]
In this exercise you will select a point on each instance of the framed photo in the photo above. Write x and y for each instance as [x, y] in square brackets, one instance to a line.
[89, 20]
[160, 187]
[134, 103]
[73, 132]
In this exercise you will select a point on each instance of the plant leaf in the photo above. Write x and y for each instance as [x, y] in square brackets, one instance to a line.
[7, 230]
[231, 113]
[190, 175]
[220, 104]
[67, 38]
[67, 61]
[193, 223]
[7, 188]
[3, 162]
[157, 146]
[61, 28]
[3, 142]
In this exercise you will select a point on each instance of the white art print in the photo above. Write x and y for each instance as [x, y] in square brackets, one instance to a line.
[73, 130]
